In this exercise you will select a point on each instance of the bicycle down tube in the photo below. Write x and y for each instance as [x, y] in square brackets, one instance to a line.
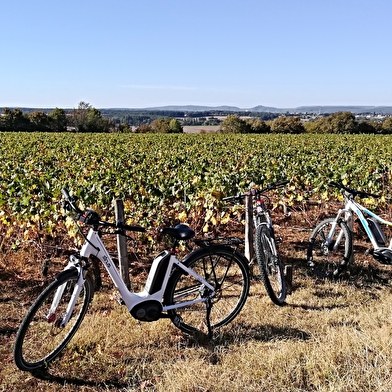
[353, 207]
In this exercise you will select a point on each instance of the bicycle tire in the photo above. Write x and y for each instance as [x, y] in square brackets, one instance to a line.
[270, 265]
[328, 262]
[227, 271]
[39, 340]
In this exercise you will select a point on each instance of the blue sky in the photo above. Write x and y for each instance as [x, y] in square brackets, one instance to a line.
[145, 53]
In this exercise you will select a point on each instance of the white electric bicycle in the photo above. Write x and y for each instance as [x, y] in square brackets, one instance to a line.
[204, 291]
[330, 247]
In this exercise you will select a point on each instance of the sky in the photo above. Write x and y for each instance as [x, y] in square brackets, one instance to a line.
[149, 53]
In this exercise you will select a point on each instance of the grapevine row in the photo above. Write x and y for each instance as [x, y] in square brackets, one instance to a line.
[164, 177]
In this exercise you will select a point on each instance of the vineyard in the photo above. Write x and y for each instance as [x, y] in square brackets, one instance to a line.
[330, 336]
[167, 178]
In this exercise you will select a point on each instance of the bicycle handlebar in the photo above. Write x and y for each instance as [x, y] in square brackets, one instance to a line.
[254, 191]
[353, 192]
[91, 217]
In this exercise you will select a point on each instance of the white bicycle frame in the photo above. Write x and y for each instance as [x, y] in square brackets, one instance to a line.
[267, 223]
[94, 246]
[352, 207]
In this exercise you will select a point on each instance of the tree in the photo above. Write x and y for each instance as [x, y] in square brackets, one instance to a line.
[94, 121]
[160, 125]
[287, 125]
[39, 121]
[58, 120]
[310, 127]
[368, 127]
[175, 126]
[88, 119]
[144, 128]
[234, 124]
[166, 125]
[386, 127]
[124, 128]
[78, 116]
[14, 120]
[6, 120]
[339, 122]
[257, 125]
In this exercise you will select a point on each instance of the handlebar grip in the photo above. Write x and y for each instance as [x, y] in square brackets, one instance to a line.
[335, 184]
[65, 193]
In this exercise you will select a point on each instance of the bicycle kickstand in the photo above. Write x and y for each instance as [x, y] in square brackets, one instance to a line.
[208, 312]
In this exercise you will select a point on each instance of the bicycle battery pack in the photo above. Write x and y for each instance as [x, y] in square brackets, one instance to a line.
[157, 272]
[377, 232]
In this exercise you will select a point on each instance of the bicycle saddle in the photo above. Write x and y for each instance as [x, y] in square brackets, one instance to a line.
[180, 232]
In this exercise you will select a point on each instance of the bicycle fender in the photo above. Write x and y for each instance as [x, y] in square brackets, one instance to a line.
[213, 249]
[66, 274]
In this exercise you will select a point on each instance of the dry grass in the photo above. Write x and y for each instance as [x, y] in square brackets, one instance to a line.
[329, 337]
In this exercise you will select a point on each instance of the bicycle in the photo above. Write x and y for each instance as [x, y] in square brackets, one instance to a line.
[267, 255]
[330, 248]
[205, 290]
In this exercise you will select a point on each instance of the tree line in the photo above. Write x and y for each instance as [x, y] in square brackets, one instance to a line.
[89, 119]
[83, 119]
[335, 123]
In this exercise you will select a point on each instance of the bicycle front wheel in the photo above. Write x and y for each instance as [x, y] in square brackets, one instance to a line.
[41, 337]
[270, 265]
[329, 253]
[226, 271]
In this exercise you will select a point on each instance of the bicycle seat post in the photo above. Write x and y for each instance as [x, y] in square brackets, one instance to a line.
[173, 248]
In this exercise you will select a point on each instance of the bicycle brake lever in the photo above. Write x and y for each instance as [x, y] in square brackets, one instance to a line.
[70, 202]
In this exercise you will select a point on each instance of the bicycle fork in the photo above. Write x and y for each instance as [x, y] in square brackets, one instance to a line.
[329, 242]
[65, 317]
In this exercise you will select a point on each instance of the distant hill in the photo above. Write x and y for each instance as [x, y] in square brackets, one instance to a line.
[260, 108]
[257, 109]
[352, 109]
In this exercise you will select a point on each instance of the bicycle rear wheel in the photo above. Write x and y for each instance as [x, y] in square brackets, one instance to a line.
[270, 265]
[226, 271]
[329, 261]
[41, 338]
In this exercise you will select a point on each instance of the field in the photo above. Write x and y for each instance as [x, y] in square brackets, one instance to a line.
[329, 336]
[201, 128]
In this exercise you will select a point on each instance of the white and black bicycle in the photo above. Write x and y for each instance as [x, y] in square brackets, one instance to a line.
[205, 290]
[330, 247]
[267, 255]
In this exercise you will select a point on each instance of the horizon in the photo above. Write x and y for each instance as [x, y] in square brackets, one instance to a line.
[206, 107]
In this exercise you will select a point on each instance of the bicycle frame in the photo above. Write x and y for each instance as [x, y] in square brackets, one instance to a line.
[94, 246]
[262, 217]
[352, 207]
